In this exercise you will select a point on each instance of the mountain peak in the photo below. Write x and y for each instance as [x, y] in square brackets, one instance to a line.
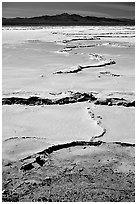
[66, 19]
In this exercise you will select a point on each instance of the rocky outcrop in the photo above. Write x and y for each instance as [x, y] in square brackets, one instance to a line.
[80, 39]
[79, 68]
[100, 64]
[34, 100]
[115, 101]
[71, 97]
[72, 70]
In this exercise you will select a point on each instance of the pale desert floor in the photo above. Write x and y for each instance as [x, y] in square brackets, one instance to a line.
[68, 114]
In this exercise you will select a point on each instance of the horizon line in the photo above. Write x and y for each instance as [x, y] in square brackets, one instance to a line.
[70, 14]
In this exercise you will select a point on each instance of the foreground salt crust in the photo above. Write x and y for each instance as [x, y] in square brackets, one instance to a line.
[57, 126]
[88, 172]
[62, 124]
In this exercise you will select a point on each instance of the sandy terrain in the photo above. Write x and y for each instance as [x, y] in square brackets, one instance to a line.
[81, 173]
[68, 113]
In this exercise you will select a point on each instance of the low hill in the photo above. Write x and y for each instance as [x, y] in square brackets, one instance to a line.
[66, 20]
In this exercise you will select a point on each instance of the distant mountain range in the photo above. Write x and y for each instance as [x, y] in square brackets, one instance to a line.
[66, 19]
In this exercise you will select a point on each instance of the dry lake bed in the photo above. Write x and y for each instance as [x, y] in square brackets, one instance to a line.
[68, 113]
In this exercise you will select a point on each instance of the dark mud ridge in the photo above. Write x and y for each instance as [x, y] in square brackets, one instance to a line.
[80, 46]
[40, 159]
[71, 71]
[124, 144]
[80, 39]
[34, 100]
[94, 177]
[54, 148]
[72, 98]
[115, 101]
[81, 67]
[38, 156]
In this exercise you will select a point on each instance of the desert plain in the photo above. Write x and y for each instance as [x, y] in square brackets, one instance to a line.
[68, 113]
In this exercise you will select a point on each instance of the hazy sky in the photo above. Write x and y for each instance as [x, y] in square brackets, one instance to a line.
[105, 9]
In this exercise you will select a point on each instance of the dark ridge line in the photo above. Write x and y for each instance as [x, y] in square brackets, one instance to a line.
[74, 98]
[80, 39]
[80, 46]
[54, 148]
[34, 100]
[115, 102]
[97, 44]
[114, 36]
[57, 147]
[24, 137]
[125, 144]
[39, 159]
[100, 65]
[80, 68]
[11, 138]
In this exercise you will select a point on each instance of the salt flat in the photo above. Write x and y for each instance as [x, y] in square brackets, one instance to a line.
[54, 124]
[68, 113]
[32, 59]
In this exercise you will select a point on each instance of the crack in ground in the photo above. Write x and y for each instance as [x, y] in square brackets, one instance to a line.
[98, 123]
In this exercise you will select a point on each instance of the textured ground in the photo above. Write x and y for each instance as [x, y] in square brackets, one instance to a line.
[81, 173]
[68, 113]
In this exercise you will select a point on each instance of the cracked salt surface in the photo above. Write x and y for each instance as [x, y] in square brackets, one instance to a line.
[119, 123]
[57, 124]
[29, 54]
